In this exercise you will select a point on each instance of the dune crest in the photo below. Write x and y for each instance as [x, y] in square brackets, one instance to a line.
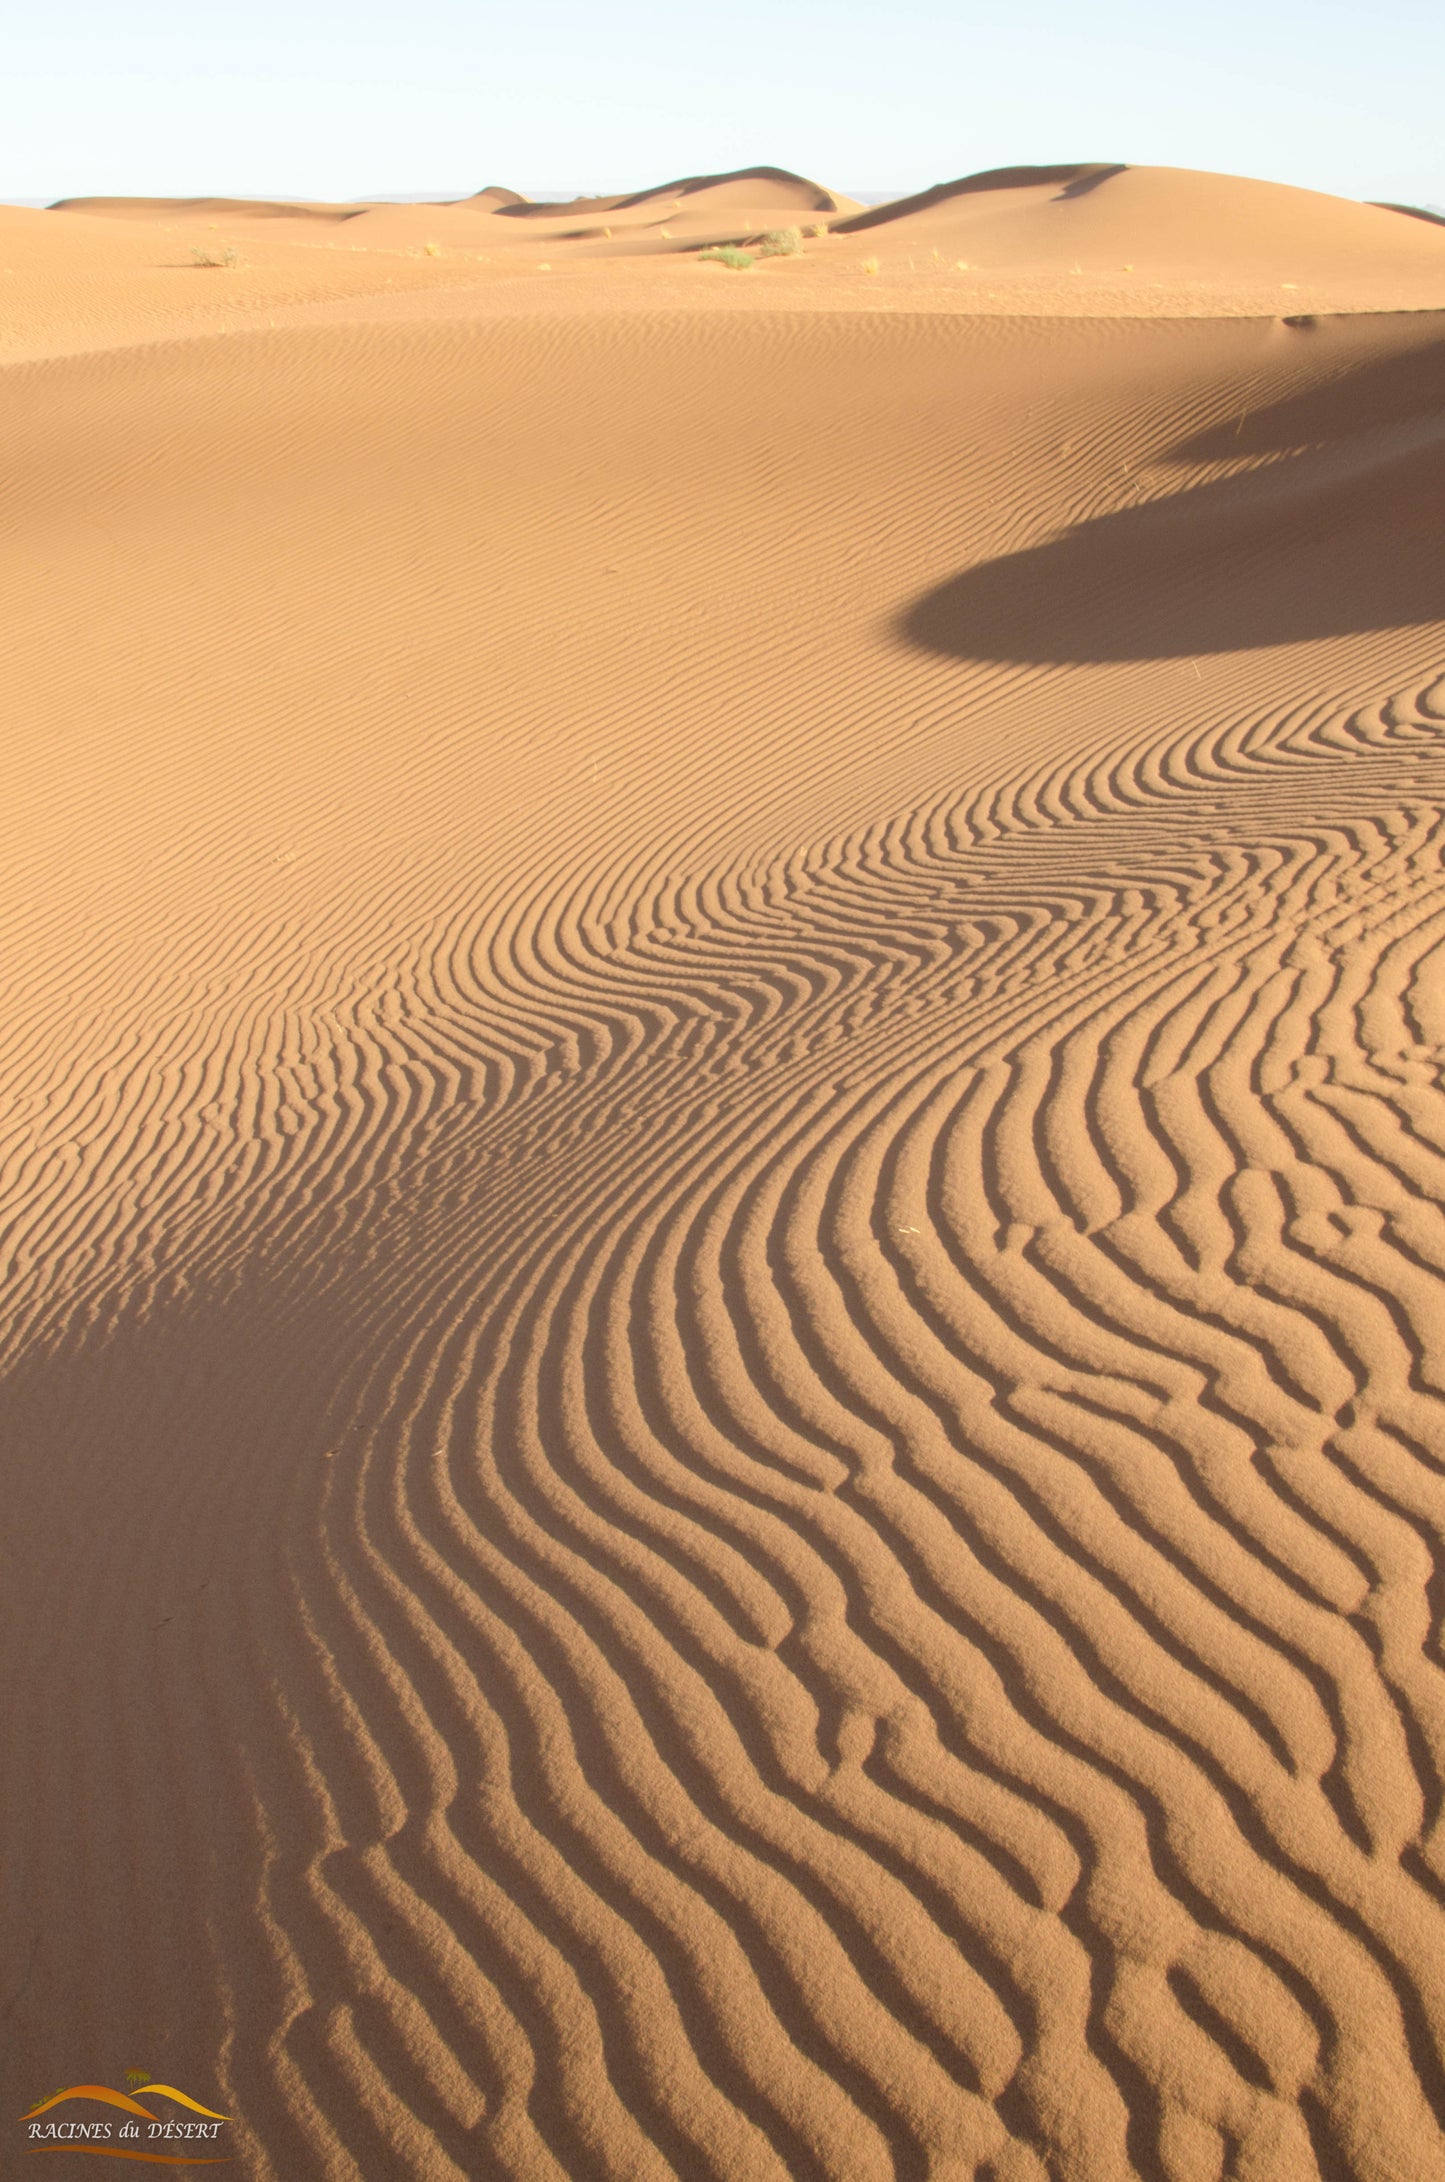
[1155, 218]
[1062, 185]
[207, 208]
[747, 186]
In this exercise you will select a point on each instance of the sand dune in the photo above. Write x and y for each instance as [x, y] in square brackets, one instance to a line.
[203, 208]
[749, 187]
[723, 1164]
[1323, 520]
[1158, 218]
[1094, 241]
[1417, 212]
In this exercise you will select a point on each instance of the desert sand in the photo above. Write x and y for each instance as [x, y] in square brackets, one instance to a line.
[724, 1180]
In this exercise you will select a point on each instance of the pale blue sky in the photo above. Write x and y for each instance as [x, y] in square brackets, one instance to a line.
[336, 98]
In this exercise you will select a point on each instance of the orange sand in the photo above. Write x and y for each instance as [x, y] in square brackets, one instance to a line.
[723, 1170]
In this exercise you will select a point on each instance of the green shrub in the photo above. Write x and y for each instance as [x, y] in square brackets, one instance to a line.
[728, 254]
[781, 242]
[229, 256]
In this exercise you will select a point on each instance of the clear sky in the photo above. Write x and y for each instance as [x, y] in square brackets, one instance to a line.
[341, 98]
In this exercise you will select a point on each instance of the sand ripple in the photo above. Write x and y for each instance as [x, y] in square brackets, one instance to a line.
[832, 1464]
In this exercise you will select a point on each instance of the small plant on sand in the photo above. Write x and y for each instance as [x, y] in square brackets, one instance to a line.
[229, 255]
[781, 242]
[432, 249]
[728, 254]
[811, 234]
[870, 265]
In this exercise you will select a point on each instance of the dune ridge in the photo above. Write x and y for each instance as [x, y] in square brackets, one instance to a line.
[746, 1486]
[1097, 216]
[1091, 241]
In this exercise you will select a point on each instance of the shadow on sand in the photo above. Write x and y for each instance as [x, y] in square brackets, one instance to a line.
[1340, 531]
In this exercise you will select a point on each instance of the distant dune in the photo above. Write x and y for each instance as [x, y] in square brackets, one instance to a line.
[202, 208]
[1098, 239]
[772, 186]
[1152, 217]
[723, 1174]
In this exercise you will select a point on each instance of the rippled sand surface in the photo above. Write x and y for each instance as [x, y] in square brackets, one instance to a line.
[722, 1184]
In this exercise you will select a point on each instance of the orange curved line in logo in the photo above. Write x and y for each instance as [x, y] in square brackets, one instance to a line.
[124, 2100]
[108, 2151]
[97, 2091]
[169, 2091]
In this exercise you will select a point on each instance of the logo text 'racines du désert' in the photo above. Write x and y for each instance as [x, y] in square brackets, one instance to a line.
[150, 2133]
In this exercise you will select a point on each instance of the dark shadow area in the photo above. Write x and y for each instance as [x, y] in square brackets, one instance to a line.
[1076, 181]
[552, 208]
[1411, 212]
[1342, 532]
[1398, 388]
[817, 198]
[806, 196]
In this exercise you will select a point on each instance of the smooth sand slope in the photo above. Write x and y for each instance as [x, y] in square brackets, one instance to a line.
[723, 1168]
